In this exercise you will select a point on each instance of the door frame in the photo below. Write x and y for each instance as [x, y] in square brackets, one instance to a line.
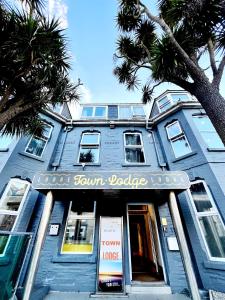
[157, 236]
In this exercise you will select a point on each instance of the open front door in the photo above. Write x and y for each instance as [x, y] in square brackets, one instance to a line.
[146, 261]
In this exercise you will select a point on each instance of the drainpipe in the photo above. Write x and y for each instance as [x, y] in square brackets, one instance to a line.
[183, 247]
[38, 245]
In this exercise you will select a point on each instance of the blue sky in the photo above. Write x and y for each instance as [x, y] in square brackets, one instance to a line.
[92, 34]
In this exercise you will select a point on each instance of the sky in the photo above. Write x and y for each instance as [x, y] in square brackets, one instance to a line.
[91, 31]
[92, 34]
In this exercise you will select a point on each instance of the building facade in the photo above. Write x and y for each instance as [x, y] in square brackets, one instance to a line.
[112, 176]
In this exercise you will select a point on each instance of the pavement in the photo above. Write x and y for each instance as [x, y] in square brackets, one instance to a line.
[87, 296]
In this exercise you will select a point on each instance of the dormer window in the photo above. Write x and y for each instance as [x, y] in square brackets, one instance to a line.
[171, 99]
[131, 111]
[94, 112]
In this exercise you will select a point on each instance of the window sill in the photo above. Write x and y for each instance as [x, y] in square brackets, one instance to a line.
[87, 164]
[4, 149]
[75, 258]
[135, 165]
[217, 265]
[184, 156]
[31, 156]
[216, 149]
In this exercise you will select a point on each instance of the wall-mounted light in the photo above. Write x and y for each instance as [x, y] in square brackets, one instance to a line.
[164, 224]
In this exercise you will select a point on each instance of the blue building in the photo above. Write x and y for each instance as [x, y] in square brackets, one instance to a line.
[120, 200]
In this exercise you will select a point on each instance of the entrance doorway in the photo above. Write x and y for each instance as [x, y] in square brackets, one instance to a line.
[145, 254]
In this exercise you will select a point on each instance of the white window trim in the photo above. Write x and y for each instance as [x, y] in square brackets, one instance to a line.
[215, 212]
[93, 112]
[170, 98]
[41, 138]
[133, 146]
[177, 137]
[205, 131]
[94, 146]
[13, 212]
[79, 217]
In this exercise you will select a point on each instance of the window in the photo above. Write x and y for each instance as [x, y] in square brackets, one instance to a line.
[89, 148]
[178, 139]
[5, 141]
[94, 112]
[170, 99]
[79, 231]
[134, 152]
[208, 132]
[38, 142]
[10, 206]
[211, 225]
[131, 111]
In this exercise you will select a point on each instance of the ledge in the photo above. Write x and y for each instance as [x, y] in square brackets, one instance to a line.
[217, 265]
[74, 258]
[184, 156]
[31, 156]
[216, 149]
[4, 149]
[87, 165]
[135, 165]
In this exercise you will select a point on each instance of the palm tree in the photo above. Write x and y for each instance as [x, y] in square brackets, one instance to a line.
[33, 67]
[171, 45]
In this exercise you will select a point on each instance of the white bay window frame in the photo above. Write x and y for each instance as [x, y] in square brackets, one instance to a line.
[209, 213]
[180, 135]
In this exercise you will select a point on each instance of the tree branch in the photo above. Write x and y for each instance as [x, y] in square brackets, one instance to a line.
[186, 85]
[217, 78]
[136, 64]
[194, 70]
[211, 49]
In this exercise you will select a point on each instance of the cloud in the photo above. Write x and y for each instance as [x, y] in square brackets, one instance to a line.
[58, 9]
[85, 93]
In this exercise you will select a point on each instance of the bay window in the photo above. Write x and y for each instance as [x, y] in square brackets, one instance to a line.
[177, 139]
[210, 223]
[10, 206]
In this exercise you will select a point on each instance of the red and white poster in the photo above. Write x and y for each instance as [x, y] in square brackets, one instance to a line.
[111, 255]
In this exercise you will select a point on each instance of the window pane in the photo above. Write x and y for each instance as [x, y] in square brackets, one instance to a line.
[200, 197]
[85, 208]
[203, 123]
[100, 111]
[79, 236]
[208, 132]
[89, 155]
[46, 132]
[132, 139]
[14, 196]
[87, 111]
[164, 103]
[134, 155]
[7, 222]
[180, 146]
[125, 112]
[90, 139]
[214, 233]
[36, 146]
[180, 97]
[5, 141]
[138, 111]
[173, 130]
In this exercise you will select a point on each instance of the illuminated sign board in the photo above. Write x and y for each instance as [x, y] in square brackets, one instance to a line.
[111, 180]
[110, 268]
